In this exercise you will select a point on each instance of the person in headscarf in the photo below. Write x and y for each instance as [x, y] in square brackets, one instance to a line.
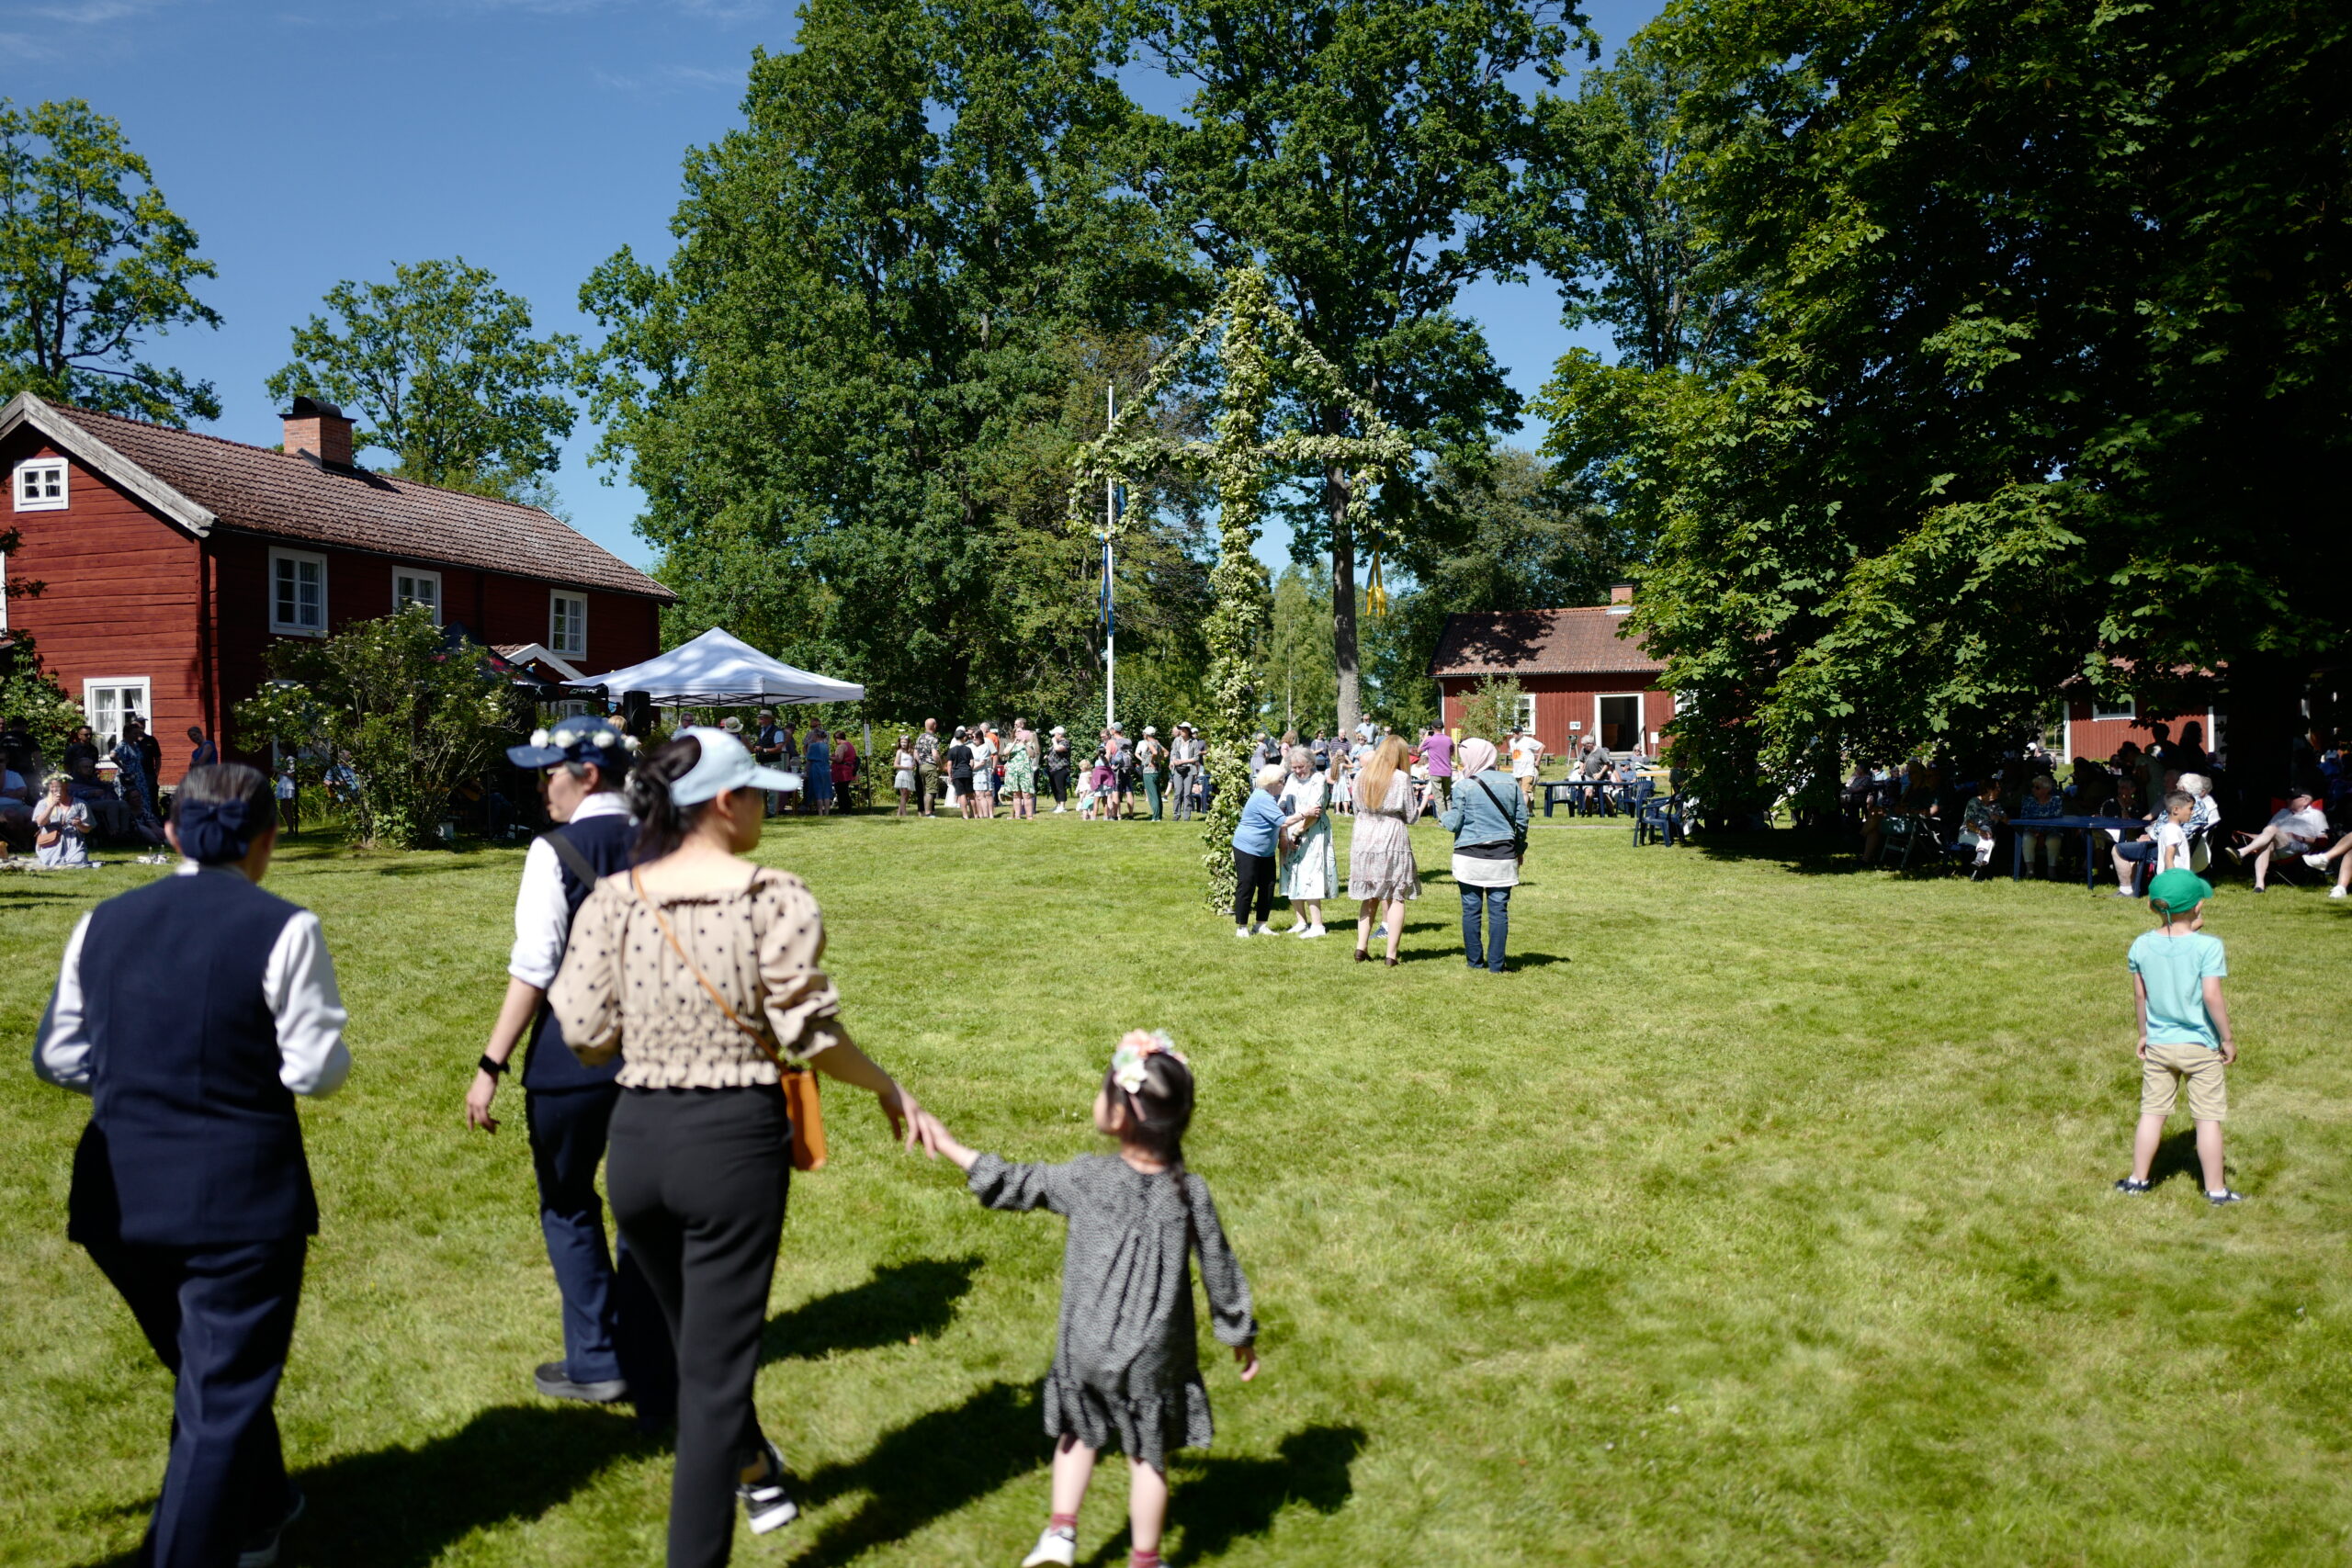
[1489, 821]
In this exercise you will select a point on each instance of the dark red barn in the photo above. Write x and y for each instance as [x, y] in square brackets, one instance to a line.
[1578, 675]
[170, 561]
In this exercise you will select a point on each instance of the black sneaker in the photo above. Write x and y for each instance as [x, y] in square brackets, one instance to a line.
[2225, 1196]
[551, 1380]
[770, 1507]
[2131, 1188]
[260, 1549]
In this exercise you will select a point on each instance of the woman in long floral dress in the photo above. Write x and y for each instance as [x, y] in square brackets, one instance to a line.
[1311, 869]
[1381, 869]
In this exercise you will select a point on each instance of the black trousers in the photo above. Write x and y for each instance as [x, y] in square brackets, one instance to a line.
[1059, 779]
[1252, 874]
[612, 1324]
[221, 1319]
[698, 1180]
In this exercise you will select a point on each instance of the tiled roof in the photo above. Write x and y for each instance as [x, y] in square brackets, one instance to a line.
[1539, 642]
[261, 492]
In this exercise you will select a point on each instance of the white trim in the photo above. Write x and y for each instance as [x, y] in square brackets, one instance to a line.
[539, 653]
[417, 574]
[31, 466]
[2128, 713]
[289, 628]
[145, 711]
[555, 643]
[104, 460]
[1600, 731]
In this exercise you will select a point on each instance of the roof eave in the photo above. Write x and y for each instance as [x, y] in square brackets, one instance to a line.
[104, 460]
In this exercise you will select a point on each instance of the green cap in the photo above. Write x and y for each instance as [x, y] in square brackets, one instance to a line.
[2179, 890]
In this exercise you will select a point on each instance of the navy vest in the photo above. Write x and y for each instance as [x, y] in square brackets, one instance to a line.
[193, 1140]
[550, 1064]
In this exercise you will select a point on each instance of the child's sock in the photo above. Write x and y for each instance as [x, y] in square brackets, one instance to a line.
[1063, 1522]
[1139, 1558]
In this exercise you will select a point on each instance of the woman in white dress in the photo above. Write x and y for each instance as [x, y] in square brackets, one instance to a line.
[1381, 870]
[60, 826]
[902, 774]
[1311, 869]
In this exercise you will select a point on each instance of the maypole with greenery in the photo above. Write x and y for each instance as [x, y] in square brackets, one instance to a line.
[1262, 350]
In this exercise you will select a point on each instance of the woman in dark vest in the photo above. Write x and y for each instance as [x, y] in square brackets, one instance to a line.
[700, 972]
[191, 1192]
[614, 1344]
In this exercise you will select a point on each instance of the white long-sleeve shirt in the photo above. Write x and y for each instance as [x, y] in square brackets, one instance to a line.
[542, 918]
[297, 986]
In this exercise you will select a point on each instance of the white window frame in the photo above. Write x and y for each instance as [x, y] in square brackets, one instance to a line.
[557, 642]
[1525, 713]
[416, 575]
[286, 628]
[1600, 731]
[2129, 713]
[144, 710]
[31, 466]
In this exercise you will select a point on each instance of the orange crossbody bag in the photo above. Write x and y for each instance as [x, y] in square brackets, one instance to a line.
[800, 1100]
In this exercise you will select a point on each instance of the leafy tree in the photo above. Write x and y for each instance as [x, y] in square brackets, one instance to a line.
[441, 364]
[1490, 710]
[92, 263]
[2048, 377]
[1534, 542]
[899, 290]
[1300, 690]
[411, 712]
[1366, 155]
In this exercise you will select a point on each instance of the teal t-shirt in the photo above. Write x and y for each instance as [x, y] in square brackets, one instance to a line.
[2174, 968]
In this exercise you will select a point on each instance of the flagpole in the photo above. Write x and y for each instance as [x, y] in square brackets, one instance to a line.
[1110, 521]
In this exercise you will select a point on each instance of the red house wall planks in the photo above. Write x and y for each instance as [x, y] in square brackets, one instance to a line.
[1565, 700]
[120, 599]
[2099, 739]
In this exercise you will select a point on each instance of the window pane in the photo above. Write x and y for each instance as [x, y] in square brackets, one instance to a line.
[283, 612]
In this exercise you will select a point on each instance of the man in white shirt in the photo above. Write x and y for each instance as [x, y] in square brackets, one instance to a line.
[1526, 760]
[2291, 832]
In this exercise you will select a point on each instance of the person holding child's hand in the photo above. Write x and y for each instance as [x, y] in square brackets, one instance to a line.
[1125, 1373]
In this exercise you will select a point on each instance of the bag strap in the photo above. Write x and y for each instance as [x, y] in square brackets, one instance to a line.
[1518, 836]
[670, 936]
[573, 860]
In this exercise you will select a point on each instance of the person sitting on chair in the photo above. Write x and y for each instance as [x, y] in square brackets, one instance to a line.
[2294, 830]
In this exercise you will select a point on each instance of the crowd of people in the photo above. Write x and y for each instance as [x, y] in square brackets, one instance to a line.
[2150, 810]
[92, 792]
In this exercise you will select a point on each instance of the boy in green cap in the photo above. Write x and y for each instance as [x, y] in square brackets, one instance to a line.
[2176, 974]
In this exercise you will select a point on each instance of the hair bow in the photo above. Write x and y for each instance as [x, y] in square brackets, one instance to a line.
[214, 832]
[1137, 1047]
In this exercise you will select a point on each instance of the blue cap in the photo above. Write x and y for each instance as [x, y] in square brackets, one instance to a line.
[581, 739]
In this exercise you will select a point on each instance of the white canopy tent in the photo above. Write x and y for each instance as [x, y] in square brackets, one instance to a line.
[720, 670]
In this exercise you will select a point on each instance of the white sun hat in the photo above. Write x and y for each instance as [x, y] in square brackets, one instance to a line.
[725, 765]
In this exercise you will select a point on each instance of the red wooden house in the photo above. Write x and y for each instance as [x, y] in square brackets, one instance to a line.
[1578, 675]
[170, 561]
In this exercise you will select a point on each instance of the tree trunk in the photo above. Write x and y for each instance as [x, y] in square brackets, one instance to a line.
[1336, 492]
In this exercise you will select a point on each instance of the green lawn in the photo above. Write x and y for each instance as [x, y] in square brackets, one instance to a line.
[1761, 1216]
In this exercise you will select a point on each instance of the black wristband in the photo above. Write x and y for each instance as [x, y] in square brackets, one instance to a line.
[495, 1069]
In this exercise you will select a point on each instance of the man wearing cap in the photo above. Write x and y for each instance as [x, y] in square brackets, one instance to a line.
[615, 1346]
[2290, 831]
[191, 1190]
[1185, 764]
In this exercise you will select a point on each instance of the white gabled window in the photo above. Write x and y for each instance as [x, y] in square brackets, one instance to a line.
[108, 701]
[568, 624]
[298, 592]
[412, 586]
[39, 485]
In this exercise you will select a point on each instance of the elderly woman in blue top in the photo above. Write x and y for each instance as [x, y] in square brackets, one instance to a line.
[1487, 820]
[191, 1192]
[1255, 839]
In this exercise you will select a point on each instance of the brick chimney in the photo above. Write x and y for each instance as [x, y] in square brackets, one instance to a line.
[1620, 598]
[320, 429]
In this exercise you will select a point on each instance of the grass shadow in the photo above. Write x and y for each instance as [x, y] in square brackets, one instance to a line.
[1216, 1502]
[2177, 1156]
[1805, 854]
[405, 1507]
[901, 1302]
[926, 1470]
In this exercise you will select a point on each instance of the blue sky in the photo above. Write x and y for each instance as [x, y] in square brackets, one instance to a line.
[309, 142]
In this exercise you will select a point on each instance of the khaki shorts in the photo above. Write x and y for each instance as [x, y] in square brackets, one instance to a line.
[2166, 1066]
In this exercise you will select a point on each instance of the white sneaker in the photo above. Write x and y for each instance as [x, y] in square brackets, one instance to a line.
[1302, 929]
[1315, 930]
[2317, 863]
[1263, 930]
[1241, 931]
[1058, 810]
[2336, 891]
[1055, 1546]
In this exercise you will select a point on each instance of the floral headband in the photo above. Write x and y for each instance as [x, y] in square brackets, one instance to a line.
[1138, 1046]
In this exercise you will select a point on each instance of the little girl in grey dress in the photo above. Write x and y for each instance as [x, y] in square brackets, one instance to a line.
[1126, 1371]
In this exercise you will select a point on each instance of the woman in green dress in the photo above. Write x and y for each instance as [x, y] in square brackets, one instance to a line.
[1020, 779]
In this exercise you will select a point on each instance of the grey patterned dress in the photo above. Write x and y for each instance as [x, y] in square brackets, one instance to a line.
[1126, 1370]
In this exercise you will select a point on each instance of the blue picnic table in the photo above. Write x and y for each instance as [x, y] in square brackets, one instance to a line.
[2089, 827]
